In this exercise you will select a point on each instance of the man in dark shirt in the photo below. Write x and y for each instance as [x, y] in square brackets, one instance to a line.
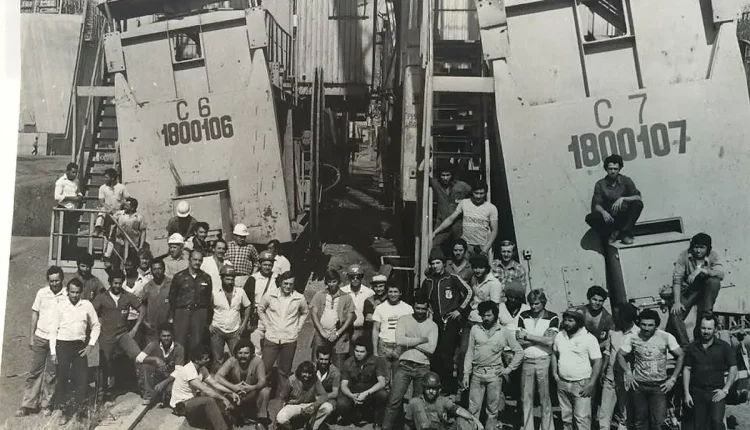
[707, 359]
[113, 309]
[158, 360]
[156, 300]
[190, 300]
[92, 286]
[362, 386]
[598, 321]
[459, 265]
[447, 192]
[304, 400]
[616, 204]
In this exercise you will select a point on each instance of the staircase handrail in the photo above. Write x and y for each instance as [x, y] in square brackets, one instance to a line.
[95, 211]
[95, 79]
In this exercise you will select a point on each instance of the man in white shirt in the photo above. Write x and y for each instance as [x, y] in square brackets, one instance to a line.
[40, 384]
[112, 195]
[576, 363]
[479, 221]
[231, 312]
[214, 262]
[68, 196]
[281, 264]
[360, 293]
[257, 286]
[384, 320]
[67, 343]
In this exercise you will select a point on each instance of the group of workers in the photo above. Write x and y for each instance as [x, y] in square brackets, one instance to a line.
[212, 330]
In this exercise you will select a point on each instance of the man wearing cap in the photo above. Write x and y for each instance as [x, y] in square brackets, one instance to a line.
[459, 265]
[231, 312]
[183, 223]
[92, 286]
[359, 293]
[576, 363]
[259, 285]
[190, 296]
[242, 255]
[450, 298]
[507, 270]
[380, 296]
[696, 281]
[431, 411]
[178, 257]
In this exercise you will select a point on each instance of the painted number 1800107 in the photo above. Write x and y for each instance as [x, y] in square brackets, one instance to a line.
[207, 127]
[645, 140]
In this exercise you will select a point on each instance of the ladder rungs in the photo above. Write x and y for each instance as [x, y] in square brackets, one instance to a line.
[463, 84]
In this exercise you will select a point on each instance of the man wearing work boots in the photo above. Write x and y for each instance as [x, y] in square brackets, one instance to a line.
[449, 298]
[616, 204]
[479, 221]
[430, 411]
[697, 278]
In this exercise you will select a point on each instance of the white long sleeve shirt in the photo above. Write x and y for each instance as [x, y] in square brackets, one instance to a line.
[71, 322]
[64, 187]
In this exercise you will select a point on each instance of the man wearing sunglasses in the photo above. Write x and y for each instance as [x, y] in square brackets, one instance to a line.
[359, 293]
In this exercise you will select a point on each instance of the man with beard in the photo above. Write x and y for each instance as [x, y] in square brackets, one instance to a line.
[117, 335]
[418, 336]
[242, 255]
[363, 380]
[486, 288]
[484, 362]
[648, 382]
[538, 328]
[158, 360]
[448, 193]
[385, 320]
[359, 294]
[178, 258]
[511, 309]
[697, 278]
[707, 360]
[576, 363]
[459, 265]
[598, 320]
[507, 270]
[156, 301]
[479, 221]
[449, 301]
[380, 296]
[614, 395]
[213, 263]
[92, 286]
[328, 374]
[430, 411]
[332, 314]
[190, 297]
[69, 350]
[231, 310]
[259, 285]
[304, 398]
[245, 375]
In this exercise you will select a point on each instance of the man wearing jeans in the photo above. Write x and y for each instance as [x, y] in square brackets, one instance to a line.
[706, 361]
[576, 363]
[418, 335]
[538, 328]
[696, 282]
[484, 362]
[648, 381]
[231, 311]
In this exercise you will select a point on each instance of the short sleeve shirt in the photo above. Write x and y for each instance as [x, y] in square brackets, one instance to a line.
[46, 303]
[331, 380]
[227, 317]
[296, 390]
[433, 414]
[650, 364]
[132, 224]
[476, 221]
[362, 376]
[387, 315]
[709, 364]
[575, 354]
[181, 389]
[113, 197]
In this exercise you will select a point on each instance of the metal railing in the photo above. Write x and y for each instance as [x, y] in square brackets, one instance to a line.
[280, 49]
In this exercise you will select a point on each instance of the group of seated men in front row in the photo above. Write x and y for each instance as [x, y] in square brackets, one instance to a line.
[369, 346]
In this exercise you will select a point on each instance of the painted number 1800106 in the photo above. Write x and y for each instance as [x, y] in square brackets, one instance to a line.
[207, 127]
[645, 140]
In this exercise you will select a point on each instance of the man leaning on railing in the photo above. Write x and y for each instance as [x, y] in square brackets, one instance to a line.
[68, 196]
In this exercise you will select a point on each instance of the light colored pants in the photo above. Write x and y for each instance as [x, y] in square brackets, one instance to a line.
[41, 382]
[573, 406]
[535, 375]
[256, 337]
[289, 412]
[486, 380]
[614, 397]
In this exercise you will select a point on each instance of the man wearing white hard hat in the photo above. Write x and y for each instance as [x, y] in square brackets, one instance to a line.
[360, 293]
[177, 259]
[243, 255]
[259, 285]
[184, 223]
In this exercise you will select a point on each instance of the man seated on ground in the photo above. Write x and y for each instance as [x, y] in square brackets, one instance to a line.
[328, 374]
[363, 380]
[196, 395]
[245, 375]
[158, 360]
[616, 204]
[430, 411]
[459, 265]
[697, 278]
[479, 221]
[305, 400]
[507, 270]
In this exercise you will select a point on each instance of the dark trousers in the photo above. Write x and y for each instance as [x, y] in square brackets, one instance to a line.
[702, 294]
[150, 376]
[705, 414]
[649, 406]
[203, 412]
[443, 360]
[40, 384]
[190, 326]
[254, 403]
[407, 372]
[70, 226]
[372, 408]
[110, 349]
[624, 220]
[281, 354]
[71, 366]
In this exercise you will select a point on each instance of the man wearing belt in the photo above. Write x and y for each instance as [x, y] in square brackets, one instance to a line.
[257, 286]
[359, 293]
[576, 363]
[385, 318]
[231, 310]
[243, 255]
[178, 258]
[69, 350]
[484, 362]
[189, 301]
[418, 336]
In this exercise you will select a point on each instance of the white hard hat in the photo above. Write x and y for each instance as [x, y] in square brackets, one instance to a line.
[379, 278]
[241, 230]
[183, 209]
[176, 239]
